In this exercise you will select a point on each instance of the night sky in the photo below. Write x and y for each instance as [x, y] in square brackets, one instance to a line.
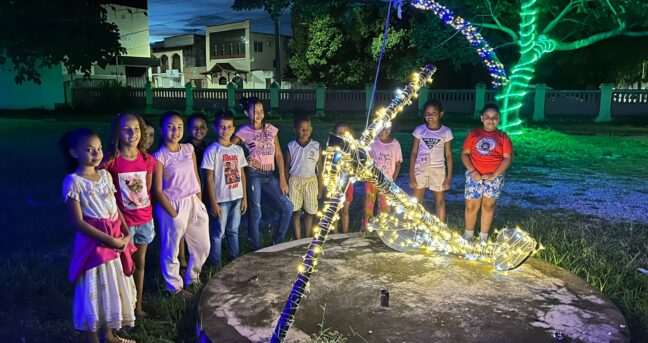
[176, 17]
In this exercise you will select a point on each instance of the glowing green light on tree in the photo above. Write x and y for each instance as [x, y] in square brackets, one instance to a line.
[531, 49]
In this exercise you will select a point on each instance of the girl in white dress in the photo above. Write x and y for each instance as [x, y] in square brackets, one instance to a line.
[101, 267]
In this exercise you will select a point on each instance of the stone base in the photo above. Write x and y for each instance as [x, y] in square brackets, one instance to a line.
[433, 298]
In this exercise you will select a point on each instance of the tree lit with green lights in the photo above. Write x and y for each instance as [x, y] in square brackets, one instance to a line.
[546, 26]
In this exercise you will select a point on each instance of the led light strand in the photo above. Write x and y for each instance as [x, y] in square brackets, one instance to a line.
[337, 182]
[410, 226]
[486, 53]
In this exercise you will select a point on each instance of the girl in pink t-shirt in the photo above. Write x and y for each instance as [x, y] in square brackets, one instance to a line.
[265, 156]
[387, 155]
[104, 296]
[180, 210]
[131, 168]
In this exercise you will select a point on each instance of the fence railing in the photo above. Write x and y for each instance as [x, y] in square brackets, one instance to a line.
[540, 101]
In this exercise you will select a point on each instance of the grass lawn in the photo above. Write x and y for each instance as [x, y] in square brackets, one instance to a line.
[36, 297]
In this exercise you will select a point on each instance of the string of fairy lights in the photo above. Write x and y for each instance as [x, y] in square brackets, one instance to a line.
[337, 182]
[488, 56]
[408, 226]
[532, 47]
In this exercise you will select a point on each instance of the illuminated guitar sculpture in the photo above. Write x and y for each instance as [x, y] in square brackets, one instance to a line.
[409, 225]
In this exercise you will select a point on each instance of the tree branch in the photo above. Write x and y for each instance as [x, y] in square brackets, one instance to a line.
[504, 29]
[497, 22]
[616, 15]
[504, 45]
[635, 33]
[570, 6]
[562, 46]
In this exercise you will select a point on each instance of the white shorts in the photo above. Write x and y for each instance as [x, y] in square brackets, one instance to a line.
[430, 178]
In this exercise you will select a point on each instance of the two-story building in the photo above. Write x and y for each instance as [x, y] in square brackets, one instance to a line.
[236, 53]
[133, 68]
[182, 60]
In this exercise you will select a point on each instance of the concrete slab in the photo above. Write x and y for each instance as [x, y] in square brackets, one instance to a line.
[432, 298]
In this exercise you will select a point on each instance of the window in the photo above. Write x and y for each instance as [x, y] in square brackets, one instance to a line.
[222, 80]
[227, 44]
[258, 46]
[164, 64]
[175, 62]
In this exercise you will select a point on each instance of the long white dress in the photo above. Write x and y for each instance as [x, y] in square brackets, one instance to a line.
[103, 295]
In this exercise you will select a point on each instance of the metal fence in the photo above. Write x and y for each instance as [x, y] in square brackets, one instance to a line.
[556, 102]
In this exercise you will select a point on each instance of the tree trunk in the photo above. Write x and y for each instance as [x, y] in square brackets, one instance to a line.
[532, 47]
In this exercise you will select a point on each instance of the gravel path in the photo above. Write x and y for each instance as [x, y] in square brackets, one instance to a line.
[585, 192]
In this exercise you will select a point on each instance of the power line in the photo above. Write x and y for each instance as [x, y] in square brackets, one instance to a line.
[179, 20]
[192, 18]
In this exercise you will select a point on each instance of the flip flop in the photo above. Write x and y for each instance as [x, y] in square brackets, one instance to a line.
[125, 340]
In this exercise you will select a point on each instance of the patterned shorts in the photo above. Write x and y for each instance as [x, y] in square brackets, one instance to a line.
[303, 193]
[142, 234]
[477, 189]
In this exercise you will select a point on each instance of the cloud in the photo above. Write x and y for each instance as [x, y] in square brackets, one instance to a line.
[206, 20]
[169, 18]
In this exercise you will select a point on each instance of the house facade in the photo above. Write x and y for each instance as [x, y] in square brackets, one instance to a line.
[182, 60]
[236, 54]
[133, 68]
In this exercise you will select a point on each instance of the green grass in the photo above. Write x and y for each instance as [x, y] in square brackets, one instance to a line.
[35, 295]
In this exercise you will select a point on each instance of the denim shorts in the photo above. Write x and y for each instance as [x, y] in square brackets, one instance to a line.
[490, 189]
[142, 234]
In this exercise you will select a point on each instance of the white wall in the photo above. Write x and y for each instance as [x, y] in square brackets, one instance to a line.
[238, 63]
[133, 29]
[30, 95]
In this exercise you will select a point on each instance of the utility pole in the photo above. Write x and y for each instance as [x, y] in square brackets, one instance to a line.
[277, 51]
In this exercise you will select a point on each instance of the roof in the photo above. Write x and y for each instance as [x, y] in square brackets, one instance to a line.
[138, 61]
[223, 67]
[143, 4]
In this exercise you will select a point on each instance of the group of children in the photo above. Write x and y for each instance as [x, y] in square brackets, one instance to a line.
[109, 198]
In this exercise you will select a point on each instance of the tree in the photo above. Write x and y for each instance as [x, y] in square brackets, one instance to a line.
[350, 27]
[274, 8]
[616, 60]
[41, 33]
[555, 25]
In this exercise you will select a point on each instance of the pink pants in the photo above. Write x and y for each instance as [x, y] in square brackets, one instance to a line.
[192, 222]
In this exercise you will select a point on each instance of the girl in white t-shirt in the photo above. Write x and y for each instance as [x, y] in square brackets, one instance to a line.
[431, 158]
